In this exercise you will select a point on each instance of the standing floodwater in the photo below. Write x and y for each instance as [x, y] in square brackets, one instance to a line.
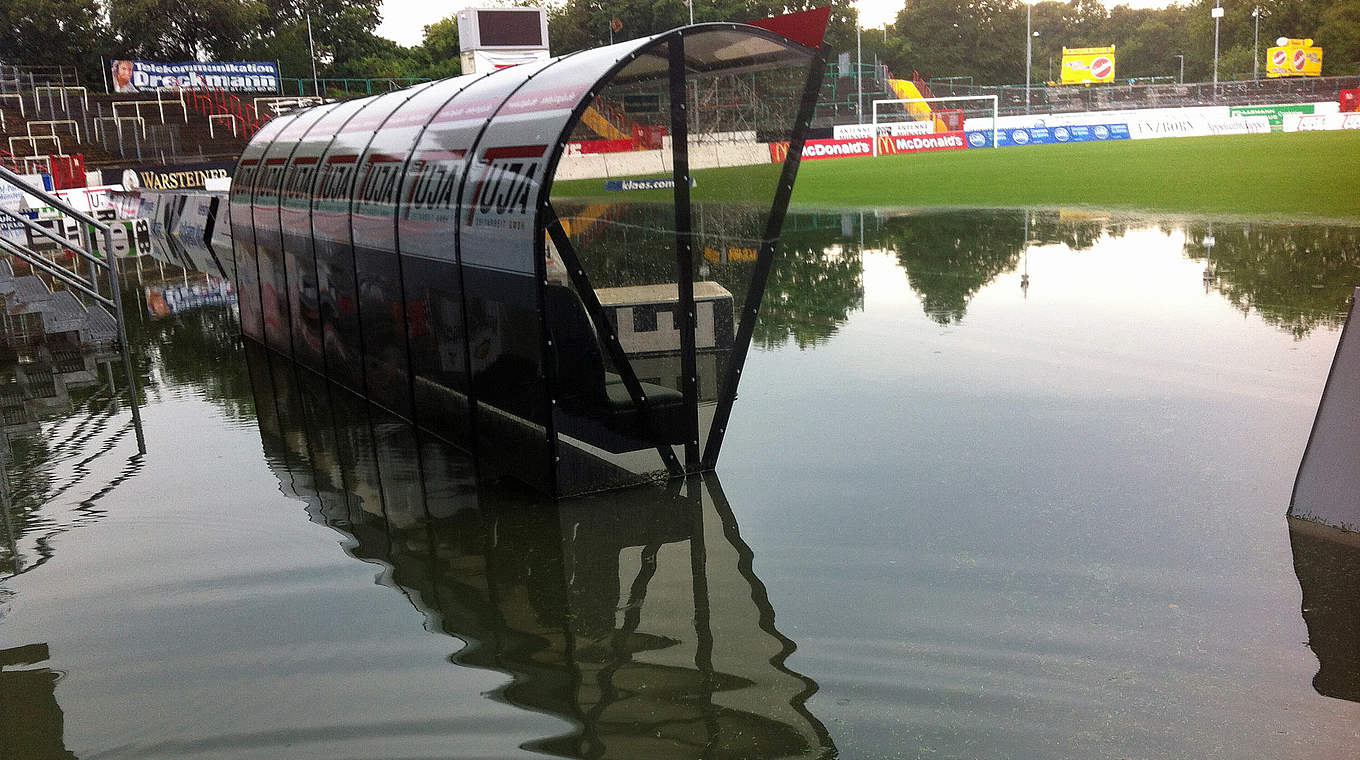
[998, 484]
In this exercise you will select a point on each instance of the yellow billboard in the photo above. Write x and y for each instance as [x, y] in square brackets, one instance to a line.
[1294, 58]
[1087, 65]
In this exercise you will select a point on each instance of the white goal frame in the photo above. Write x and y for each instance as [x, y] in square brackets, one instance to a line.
[953, 98]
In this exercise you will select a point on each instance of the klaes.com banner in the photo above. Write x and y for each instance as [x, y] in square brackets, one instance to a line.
[236, 76]
[1087, 65]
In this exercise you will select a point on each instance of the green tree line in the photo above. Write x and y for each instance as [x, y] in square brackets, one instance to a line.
[84, 33]
[981, 39]
[985, 39]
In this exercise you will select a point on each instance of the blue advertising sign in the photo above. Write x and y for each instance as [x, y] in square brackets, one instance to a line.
[1048, 135]
[235, 76]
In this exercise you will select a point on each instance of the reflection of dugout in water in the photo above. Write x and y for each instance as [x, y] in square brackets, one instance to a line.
[633, 615]
[31, 721]
[1327, 563]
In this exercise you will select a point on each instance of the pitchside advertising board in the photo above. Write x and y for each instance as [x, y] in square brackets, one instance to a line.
[894, 129]
[1274, 114]
[236, 76]
[887, 146]
[1318, 122]
[1046, 135]
[193, 176]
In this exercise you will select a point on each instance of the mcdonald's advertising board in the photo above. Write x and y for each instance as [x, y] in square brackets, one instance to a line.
[1294, 58]
[1087, 65]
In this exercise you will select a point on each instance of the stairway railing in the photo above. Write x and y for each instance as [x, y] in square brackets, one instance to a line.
[89, 228]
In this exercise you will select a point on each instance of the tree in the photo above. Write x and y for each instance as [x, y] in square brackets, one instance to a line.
[184, 30]
[1338, 32]
[976, 38]
[50, 32]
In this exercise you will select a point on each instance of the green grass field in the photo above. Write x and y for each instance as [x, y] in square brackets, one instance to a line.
[1311, 175]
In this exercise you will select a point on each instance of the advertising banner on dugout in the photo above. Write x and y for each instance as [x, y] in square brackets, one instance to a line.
[236, 76]
[1087, 65]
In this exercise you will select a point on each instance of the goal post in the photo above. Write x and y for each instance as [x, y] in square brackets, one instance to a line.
[880, 111]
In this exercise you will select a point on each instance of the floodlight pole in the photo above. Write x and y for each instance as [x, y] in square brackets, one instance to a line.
[1256, 45]
[859, 75]
[311, 48]
[1217, 13]
[1182, 57]
[1028, 55]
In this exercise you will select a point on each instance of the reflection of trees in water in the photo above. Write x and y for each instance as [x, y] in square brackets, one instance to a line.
[1077, 231]
[815, 283]
[949, 257]
[1297, 277]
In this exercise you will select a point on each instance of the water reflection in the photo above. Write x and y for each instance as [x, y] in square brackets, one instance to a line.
[1296, 276]
[1327, 562]
[60, 444]
[1047, 534]
[635, 616]
[31, 721]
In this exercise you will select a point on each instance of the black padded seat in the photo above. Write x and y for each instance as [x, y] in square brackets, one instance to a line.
[586, 391]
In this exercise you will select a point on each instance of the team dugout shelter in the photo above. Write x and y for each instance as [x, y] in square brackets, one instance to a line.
[410, 247]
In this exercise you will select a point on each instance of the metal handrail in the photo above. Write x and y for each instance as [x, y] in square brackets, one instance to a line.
[52, 269]
[110, 265]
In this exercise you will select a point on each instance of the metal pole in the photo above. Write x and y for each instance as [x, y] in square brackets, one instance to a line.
[1028, 56]
[684, 252]
[1182, 57]
[859, 61]
[690, 3]
[1217, 14]
[312, 48]
[112, 262]
[1256, 45]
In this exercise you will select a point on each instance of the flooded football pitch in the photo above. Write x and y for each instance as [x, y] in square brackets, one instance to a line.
[1002, 484]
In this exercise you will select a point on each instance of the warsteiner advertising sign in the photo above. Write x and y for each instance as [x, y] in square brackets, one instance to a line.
[236, 76]
[1087, 65]
[176, 177]
[1294, 58]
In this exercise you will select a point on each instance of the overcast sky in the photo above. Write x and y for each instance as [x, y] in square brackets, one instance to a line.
[403, 19]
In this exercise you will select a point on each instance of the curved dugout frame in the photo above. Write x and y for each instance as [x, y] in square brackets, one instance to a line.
[398, 244]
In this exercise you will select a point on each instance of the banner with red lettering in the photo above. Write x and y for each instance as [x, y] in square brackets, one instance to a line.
[824, 149]
[888, 146]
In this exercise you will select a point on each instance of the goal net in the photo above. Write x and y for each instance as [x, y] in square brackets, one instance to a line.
[899, 117]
